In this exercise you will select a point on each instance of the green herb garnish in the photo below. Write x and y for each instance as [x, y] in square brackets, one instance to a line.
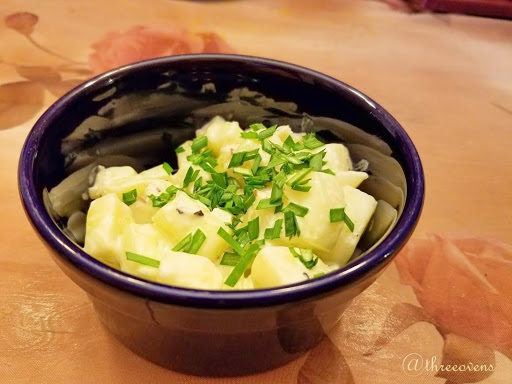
[199, 143]
[267, 203]
[338, 214]
[144, 260]
[229, 239]
[253, 228]
[250, 135]
[197, 241]
[311, 142]
[230, 258]
[275, 231]
[291, 226]
[179, 150]
[167, 167]
[183, 243]
[244, 263]
[305, 256]
[297, 209]
[130, 197]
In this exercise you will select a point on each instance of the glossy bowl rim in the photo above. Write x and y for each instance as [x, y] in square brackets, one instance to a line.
[65, 248]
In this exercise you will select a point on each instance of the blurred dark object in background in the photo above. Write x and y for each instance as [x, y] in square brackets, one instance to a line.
[491, 8]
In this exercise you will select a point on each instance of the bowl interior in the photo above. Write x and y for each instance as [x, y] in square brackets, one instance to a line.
[139, 114]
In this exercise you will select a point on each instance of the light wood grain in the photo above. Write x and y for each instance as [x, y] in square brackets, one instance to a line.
[447, 79]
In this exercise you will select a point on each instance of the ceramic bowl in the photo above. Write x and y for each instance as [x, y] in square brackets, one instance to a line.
[138, 114]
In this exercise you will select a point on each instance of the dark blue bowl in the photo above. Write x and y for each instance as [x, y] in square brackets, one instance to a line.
[194, 331]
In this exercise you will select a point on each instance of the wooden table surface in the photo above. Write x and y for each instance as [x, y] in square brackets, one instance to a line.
[446, 78]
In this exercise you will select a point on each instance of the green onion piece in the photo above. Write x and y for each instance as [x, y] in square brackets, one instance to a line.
[305, 256]
[253, 228]
[249, 155]
[167, 167]
[144, 260]
[130, 197]
[230, 258]
[197, 241]
[291, 226]
[319, 274]
[338, 214]
[289, 143]
[311, 142]
[221, 179]
[280, 179]
[237, 159]
[256, 164]
[297, 209]
[242, 171]
[257, 127]
[316, 162]
[183, 243]
[328, 171]
[267, 203]
[266, 146]
[277, 194]
[274, 162]
[199, 143]
[249, 200]
[250, 135]
[275, 231]
[228, 239]
[197, 184]
[243, 264]
[243, 239]
[180, 150]
[188, 177]
[302, 188]
[295, 179]
[349, 223]
[267, 132]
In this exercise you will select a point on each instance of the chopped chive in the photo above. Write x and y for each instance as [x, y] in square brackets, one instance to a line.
[237, 159]
[130, 197]
[311, 142]
[289, 143]
[250, 135]
[243, 239]
[349, 223]
[295, 179]
[316, 162]
[244, 262]
[229, 239]
[249, 200]
[280, 179]
[249, 155]
[338, 214]
[266, 203]
[302, 188]
[328, 171]
[144, 260]
[242, 171]
[318, 274]
[179, 150]
[183, 243]
[274, 162]
[197, 241]
[305, 256]
[230, 258]
[188, 177]
[197, 184]
[265, 145]
[253, 228]
[257, 127]
[267, 132]
[291, 226]
[221, 179]
[297, 209]
[256, 164]
[275, 231]
[277, 193]
[199, 143]
[167, 167]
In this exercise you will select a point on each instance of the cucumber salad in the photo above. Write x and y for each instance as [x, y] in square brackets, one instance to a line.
[246, 209]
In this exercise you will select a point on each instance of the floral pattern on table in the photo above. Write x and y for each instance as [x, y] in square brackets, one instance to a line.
[22, 100]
